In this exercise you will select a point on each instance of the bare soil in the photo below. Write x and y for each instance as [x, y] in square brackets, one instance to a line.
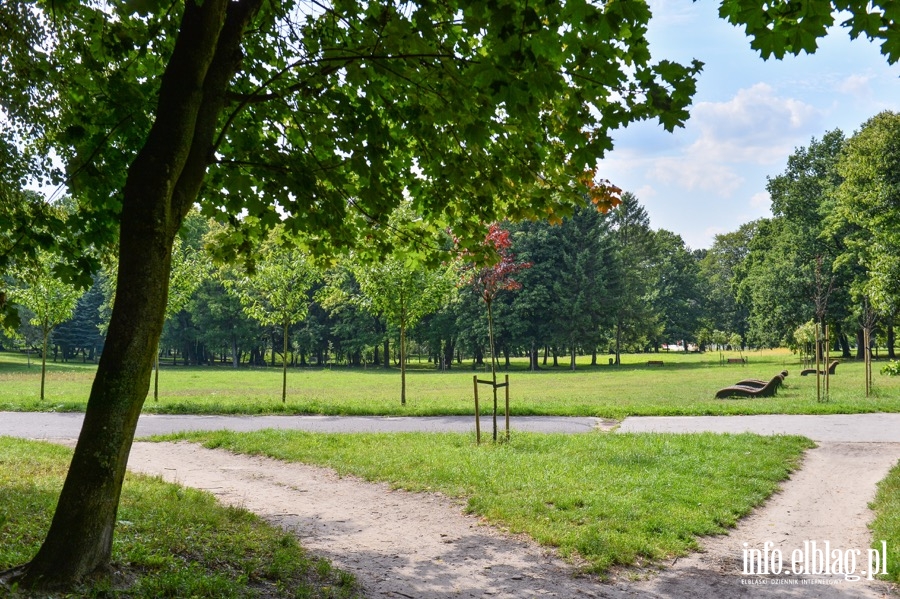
[423, 545]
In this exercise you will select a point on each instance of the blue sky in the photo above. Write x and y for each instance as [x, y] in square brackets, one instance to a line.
[748, 116]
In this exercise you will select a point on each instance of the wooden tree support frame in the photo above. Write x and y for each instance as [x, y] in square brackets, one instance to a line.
[494, 386]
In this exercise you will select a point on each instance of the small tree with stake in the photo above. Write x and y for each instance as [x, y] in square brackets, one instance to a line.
[490, 280]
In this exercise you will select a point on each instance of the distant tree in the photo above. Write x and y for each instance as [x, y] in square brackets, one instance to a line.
[51, 301]
[586, 280]
[220, 319]
[675, 283]
[402, 291]
[27, 223]
[778, 280]
[534, 305]
[82, 332]
[719, 271]
[489, 280]
[354, 328]
[189, 269]
[277, 292]
[868, 200]
[635, 317]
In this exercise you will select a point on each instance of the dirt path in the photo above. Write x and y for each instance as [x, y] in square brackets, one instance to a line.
[402, 544]
[398, 544]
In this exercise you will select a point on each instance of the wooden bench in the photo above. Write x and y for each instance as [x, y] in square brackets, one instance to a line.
[654, 362]
[737, 360]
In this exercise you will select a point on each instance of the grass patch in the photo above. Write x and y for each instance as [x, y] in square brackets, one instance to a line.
[169, 541]
[685, 385]
[611, 500]
[886, 525]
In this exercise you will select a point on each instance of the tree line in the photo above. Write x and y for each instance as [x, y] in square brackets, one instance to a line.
[594, 283]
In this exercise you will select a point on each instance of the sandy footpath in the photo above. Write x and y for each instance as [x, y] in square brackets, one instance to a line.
[422, 545]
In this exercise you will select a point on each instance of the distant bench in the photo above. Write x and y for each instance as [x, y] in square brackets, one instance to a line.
[654, 362]
[737, 360]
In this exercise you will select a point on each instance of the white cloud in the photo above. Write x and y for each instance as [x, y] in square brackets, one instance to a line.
[646, 192]
[855, 85]
[711, 155]
[687, 172]
[755, 126]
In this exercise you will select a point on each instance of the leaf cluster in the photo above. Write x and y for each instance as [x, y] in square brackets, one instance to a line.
[472, 111]
[781, 27]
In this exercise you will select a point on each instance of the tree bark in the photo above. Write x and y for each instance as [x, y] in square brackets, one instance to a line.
[845, 345]
[162, 184]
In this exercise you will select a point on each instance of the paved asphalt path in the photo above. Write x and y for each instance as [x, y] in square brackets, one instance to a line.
[852, 428]
[66, 425]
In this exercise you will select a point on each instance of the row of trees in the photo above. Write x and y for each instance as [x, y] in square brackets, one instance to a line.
[829, 254]
[594, 281]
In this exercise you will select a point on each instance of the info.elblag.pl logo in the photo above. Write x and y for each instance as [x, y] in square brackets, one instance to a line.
[816, 559]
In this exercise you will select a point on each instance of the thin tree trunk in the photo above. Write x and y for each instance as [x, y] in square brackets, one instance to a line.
[402, 364]
[493, 365]
[44, 363]
[284, 364]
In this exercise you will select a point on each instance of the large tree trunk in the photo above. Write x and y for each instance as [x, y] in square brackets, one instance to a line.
[533, 358]
[163, 182]
[845, 345]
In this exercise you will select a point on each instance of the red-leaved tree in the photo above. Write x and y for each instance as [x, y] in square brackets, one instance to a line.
[490, 280]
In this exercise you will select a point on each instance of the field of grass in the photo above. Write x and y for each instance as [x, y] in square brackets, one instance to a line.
[608, 499]
[684, 385]
[169, 542]
[886, 525]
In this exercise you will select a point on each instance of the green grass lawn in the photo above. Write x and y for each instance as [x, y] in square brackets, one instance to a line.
[169, 541]
[886, 526]
[684, 385]
[608, 499]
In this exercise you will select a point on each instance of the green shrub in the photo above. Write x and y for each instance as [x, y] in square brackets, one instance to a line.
[892, 368]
